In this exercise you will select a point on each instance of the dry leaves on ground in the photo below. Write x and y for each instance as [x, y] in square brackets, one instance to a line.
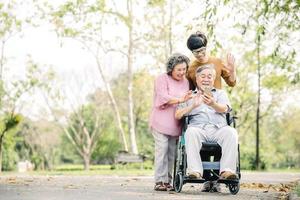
[282, 188]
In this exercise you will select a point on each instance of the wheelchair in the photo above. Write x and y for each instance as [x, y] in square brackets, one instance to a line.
[210, 155]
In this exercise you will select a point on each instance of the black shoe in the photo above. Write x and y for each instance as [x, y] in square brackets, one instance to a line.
[206, 186]
[211, 186]
[216, 187]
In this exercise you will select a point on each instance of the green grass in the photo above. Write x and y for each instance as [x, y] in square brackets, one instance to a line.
[133, 169]
[294, 170]
[297, 190]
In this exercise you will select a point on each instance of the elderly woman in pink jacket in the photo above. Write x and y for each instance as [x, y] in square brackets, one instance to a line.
[170, 89]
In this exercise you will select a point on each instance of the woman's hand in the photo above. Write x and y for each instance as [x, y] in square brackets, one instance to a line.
[186, 97]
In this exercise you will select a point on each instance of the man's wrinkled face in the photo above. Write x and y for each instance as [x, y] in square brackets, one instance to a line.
[205, 79]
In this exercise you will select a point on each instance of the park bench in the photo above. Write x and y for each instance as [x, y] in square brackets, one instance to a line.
[124, 158]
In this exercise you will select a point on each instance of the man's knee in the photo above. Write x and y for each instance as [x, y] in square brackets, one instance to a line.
[191, 132]
[231, 134]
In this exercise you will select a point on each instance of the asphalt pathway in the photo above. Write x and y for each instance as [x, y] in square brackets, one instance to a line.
[254, 185]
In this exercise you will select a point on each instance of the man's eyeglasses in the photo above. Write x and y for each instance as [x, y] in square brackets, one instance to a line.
[201, 50]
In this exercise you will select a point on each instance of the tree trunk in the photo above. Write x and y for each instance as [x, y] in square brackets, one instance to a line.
[170, 27]
[131, 126]
[1, 154]
[258, 103]
[114, 105]
[86, 160]
[2, 61]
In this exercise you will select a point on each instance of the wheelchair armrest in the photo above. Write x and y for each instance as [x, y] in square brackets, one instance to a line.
[184, 121]
[230, 119]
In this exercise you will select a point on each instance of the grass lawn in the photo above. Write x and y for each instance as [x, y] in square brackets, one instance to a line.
[132, 169]
[284, 170]
[297, 190]
[120, 170]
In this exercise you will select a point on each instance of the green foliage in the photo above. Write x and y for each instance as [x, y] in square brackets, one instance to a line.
[156, 2]
[11, 121]
[287, 138]
[38, 141]
[9, 156]
[142, 82]
[9, 22]
[272, 23]
[87, 114]
[107, 145]
[37, 160]
[275, 82]
[297, 189]
[106, 149]
[68, 153]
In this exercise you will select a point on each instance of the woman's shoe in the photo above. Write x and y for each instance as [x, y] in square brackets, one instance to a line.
[159, 186]
[169, 187]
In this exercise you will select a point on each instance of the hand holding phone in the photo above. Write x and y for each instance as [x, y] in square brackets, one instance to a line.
[207, 91]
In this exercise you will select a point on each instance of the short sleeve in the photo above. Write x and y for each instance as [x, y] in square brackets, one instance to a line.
[223, 99]
[162, 91]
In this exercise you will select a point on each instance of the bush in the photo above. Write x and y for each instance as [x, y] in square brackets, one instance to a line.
[9, 155]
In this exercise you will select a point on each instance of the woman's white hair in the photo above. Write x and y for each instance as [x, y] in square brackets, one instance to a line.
[175, 59]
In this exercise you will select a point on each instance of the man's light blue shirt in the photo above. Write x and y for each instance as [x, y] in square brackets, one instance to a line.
[206, 115]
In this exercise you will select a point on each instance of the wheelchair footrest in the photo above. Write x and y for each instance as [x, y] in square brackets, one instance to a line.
[228, 181]
[186, 179]
[211, 165]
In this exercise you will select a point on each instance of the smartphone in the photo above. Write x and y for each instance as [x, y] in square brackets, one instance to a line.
[207, 91]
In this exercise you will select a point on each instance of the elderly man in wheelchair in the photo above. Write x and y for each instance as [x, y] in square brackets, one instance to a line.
[207, 123]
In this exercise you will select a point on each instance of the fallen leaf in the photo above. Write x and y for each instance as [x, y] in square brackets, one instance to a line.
[70, 187]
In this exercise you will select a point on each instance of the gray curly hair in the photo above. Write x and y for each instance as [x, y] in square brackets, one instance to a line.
[175, 59]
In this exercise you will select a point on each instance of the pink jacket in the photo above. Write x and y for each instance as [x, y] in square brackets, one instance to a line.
[162, 118]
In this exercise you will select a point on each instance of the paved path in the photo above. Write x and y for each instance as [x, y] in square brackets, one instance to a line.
[25, 187]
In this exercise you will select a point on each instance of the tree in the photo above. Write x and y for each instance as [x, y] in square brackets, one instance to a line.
[10, 25]
[263, 13]
[12, 91]
[84, 29]
[40, 142]
[16, 90]
[10, 122]
[82, 123]
[84, 128]
[143, 88]
[128, 20]
[249, 26]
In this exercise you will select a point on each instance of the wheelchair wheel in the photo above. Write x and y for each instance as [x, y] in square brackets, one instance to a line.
[234, 188]
[178, 182]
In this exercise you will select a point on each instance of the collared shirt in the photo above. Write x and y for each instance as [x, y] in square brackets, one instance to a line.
[205, 115]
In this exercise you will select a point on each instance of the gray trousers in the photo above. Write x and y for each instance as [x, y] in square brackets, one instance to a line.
[165, 146]
[226, 137]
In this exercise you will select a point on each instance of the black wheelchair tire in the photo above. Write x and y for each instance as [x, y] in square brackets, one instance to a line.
[234, 188]
[178, 182]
